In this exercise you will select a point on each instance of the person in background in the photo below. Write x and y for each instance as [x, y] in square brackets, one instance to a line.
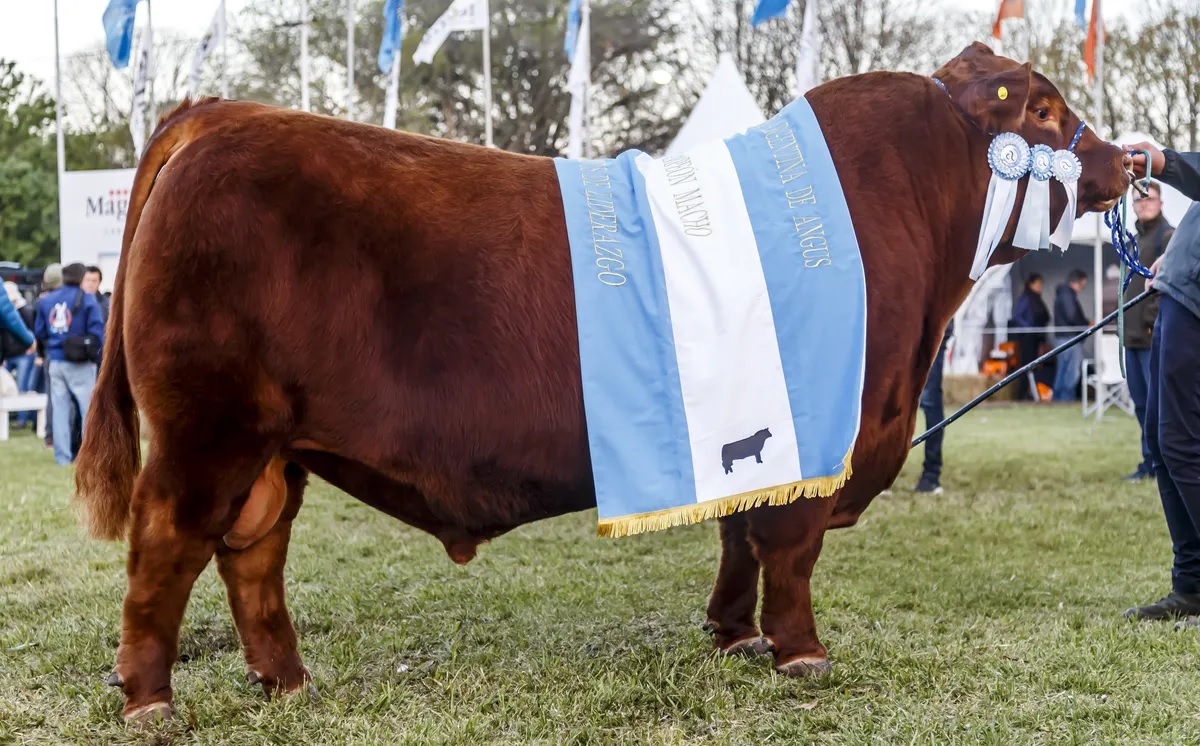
[16, 349]
[1153, 234]
[1030, 312]
[51, 281]
[1173, 397]
[92, 278]
[1069, 313]
[63, 317]
[933, 405]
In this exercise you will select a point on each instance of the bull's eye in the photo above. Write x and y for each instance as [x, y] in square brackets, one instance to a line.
[1043, 114]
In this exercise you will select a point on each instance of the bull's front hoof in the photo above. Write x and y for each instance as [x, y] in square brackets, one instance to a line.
[155, 712]
[750, 647]
[805, 667]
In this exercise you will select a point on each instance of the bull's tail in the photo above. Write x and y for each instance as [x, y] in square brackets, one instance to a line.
[110, 457]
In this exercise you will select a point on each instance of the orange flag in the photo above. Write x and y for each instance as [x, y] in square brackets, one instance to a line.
[1008, 9]
[1095, 29]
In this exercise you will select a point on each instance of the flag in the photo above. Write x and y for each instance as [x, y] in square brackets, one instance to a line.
[118, 30]
[574, 8]
[729, 375]
[1094, 37]
[211, 39]
[1080, 10]
[391, 41]
[1008, 9]
[462, 15]
[577, 83]
[389, 58]
[137, 118]
[808, 59]
[768, 9]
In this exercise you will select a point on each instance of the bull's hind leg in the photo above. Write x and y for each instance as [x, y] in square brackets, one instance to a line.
[254, 580]
[734, 596]
[165, 559]
[184, 501]
[787, 541]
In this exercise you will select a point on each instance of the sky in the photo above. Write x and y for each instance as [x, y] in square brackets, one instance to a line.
[27, 30]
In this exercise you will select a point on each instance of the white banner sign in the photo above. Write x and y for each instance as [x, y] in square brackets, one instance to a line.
[92, 208]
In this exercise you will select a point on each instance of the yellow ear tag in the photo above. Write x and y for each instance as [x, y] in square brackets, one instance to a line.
[1002, 94]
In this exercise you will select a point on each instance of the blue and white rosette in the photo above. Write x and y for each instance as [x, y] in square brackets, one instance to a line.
[1033, 227]
[1010, 158]
[1067, 169]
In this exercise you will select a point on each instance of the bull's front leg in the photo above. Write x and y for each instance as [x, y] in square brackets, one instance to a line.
[787, 541]
[734, 596]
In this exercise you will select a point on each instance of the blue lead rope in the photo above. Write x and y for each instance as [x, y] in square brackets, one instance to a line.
[1126, 246]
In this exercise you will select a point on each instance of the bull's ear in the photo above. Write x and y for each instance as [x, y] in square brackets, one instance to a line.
[996, 102]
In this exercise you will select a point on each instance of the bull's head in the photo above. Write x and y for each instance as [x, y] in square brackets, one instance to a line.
[1031, 106]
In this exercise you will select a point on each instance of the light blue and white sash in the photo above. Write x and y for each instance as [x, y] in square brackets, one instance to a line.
[721, 307]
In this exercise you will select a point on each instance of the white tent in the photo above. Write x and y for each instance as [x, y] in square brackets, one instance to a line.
[726, 108]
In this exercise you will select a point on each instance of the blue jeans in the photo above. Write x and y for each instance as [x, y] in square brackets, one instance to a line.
[1173, 434]
[1066, 376]
[1137, 375]
[69, 382]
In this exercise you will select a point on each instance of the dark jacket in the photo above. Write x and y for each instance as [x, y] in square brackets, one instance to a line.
[56, 319]
[1179, 274]
[1030, 312]
[1067, 311]
[12, 345]
[11, 321]
[1152, 238]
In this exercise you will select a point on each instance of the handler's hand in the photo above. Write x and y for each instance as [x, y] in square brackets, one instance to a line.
[1154, 271]
[1157, 159]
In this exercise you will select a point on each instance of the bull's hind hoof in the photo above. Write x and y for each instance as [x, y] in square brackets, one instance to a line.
[150, 714]
[805, 667]
[750, 647]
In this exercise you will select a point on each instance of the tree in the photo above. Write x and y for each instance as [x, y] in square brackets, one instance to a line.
[28, 191]
[445, 98]
[858, 36]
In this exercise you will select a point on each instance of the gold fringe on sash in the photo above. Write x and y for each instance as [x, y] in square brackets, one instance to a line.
[639, 523]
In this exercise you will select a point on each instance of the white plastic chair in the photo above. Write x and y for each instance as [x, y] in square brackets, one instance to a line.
[1109, 386]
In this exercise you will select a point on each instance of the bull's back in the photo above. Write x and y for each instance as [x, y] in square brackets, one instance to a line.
[403, 300]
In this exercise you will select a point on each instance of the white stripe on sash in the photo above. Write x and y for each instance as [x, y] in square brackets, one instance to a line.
[729, 366]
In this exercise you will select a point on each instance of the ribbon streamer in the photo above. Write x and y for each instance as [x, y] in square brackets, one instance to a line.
[1033, 227]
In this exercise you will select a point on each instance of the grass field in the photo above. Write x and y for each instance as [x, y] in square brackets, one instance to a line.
[988, 615]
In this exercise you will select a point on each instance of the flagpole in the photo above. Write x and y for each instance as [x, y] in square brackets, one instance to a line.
[61, 150]
[350, 59]
[487, 73]
[224, 52]
[150, 62]
[1098, 243]
[304, 55]
[586, 22]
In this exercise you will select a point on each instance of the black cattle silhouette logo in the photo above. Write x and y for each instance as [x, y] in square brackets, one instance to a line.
[744, 448]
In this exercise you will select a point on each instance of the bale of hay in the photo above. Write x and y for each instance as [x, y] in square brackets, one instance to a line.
[961, 388]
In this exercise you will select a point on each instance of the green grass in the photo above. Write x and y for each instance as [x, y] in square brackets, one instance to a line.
[988, 615]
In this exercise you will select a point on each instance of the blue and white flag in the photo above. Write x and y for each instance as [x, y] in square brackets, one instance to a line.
[389, 46]
[118, 30]
[721, 308]
[389, 58]
[574, 18]
[1081, 13]
[768, 9]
